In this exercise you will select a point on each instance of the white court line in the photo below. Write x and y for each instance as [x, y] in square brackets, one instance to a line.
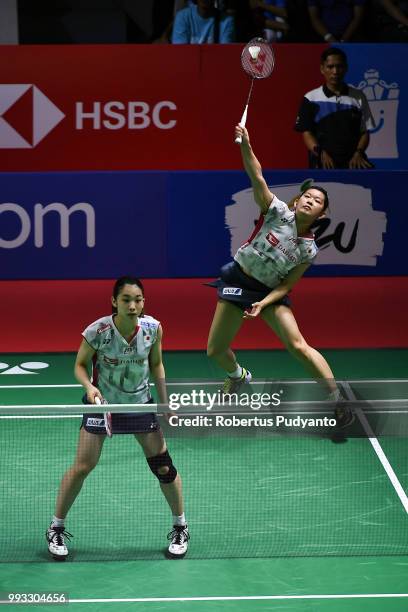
[378, 450]
[239, 598]
[211, 383]
[39, 386]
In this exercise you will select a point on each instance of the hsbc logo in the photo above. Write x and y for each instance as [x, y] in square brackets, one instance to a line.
[26, 116]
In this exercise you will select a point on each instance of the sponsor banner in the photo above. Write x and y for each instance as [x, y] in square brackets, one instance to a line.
[338, 312]
[153, 107]
[167, 225]
[383, 79]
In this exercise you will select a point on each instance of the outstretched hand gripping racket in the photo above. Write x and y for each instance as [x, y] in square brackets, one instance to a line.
[107, 417]
[258, 61]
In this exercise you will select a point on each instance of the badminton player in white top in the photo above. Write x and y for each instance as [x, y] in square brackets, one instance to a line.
[264, 270]
[124, 349]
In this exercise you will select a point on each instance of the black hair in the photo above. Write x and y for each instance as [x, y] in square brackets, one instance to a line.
[121, 282]
[333, 51]
[322, 190]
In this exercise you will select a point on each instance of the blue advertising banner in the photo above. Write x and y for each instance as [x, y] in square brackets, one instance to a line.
[380, 72]
[186, 224]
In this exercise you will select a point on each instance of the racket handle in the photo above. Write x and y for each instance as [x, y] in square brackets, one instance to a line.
[242, 123]
[107, 417]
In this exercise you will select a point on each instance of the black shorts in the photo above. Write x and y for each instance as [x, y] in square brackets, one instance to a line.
[122, 422]
[237, 287]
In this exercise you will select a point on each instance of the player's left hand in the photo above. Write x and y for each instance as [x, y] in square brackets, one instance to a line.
[256, 308]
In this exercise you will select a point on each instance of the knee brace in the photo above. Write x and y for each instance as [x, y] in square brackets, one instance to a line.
[162, 460]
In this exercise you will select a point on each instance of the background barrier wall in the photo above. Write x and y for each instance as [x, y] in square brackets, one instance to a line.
[186, 224]
[138, 107]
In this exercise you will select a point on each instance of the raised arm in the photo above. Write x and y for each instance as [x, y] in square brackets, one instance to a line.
[263, 196]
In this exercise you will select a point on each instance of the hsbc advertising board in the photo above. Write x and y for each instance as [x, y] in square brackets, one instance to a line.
[137, 107]
[185, 224]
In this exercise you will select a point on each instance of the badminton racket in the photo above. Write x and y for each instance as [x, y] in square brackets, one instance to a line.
[258, 61]
[107, 416]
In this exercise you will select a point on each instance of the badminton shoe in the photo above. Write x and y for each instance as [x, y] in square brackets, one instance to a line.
[233, 385]
[56, 542]
[343, 414]
[179, 538]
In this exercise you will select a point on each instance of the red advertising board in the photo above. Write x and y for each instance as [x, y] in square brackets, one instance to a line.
[123, 107]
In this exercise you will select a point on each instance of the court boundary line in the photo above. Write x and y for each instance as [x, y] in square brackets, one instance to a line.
[382, 457]
[210, 383]
[240, 598]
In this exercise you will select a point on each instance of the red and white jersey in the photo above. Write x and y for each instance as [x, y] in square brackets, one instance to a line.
[274, 247]
[121, 368]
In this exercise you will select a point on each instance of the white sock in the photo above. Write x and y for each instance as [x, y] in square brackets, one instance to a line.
[179, 520]
[57, 522]
[236, 373]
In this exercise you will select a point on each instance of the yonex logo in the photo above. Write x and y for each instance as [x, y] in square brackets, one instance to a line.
[24, 368]
[26, 116]
[232, 291]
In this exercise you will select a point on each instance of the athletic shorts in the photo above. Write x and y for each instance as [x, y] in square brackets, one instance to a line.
[242, 290]
[122, 422]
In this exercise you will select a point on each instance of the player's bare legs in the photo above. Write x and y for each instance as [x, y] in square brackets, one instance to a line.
[280, 318]
[155, 450]
[154, 444]
[226, 323]
[87, 456]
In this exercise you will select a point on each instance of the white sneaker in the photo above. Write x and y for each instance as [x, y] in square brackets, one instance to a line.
[233, 385]
[179, 538]
[56, 542]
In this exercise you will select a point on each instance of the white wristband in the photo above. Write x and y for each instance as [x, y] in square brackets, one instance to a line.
[327, 36]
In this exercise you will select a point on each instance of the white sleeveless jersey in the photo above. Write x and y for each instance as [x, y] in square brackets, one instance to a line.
[274, 247]
[121, 368]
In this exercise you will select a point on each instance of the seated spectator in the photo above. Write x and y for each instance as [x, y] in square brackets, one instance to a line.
[202, 23]
[337, 20]
[275, 24]
[391, 20]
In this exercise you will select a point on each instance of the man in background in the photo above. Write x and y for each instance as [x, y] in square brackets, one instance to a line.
[335, 118]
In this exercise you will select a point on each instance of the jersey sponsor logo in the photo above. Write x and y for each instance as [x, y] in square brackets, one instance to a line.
[288, 254]
[93, 422]
[104, 327]
[110, 360]
[232, 291]
[128, 349]
[272, 239]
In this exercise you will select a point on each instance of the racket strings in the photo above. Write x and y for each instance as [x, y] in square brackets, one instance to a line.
[258, 59]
